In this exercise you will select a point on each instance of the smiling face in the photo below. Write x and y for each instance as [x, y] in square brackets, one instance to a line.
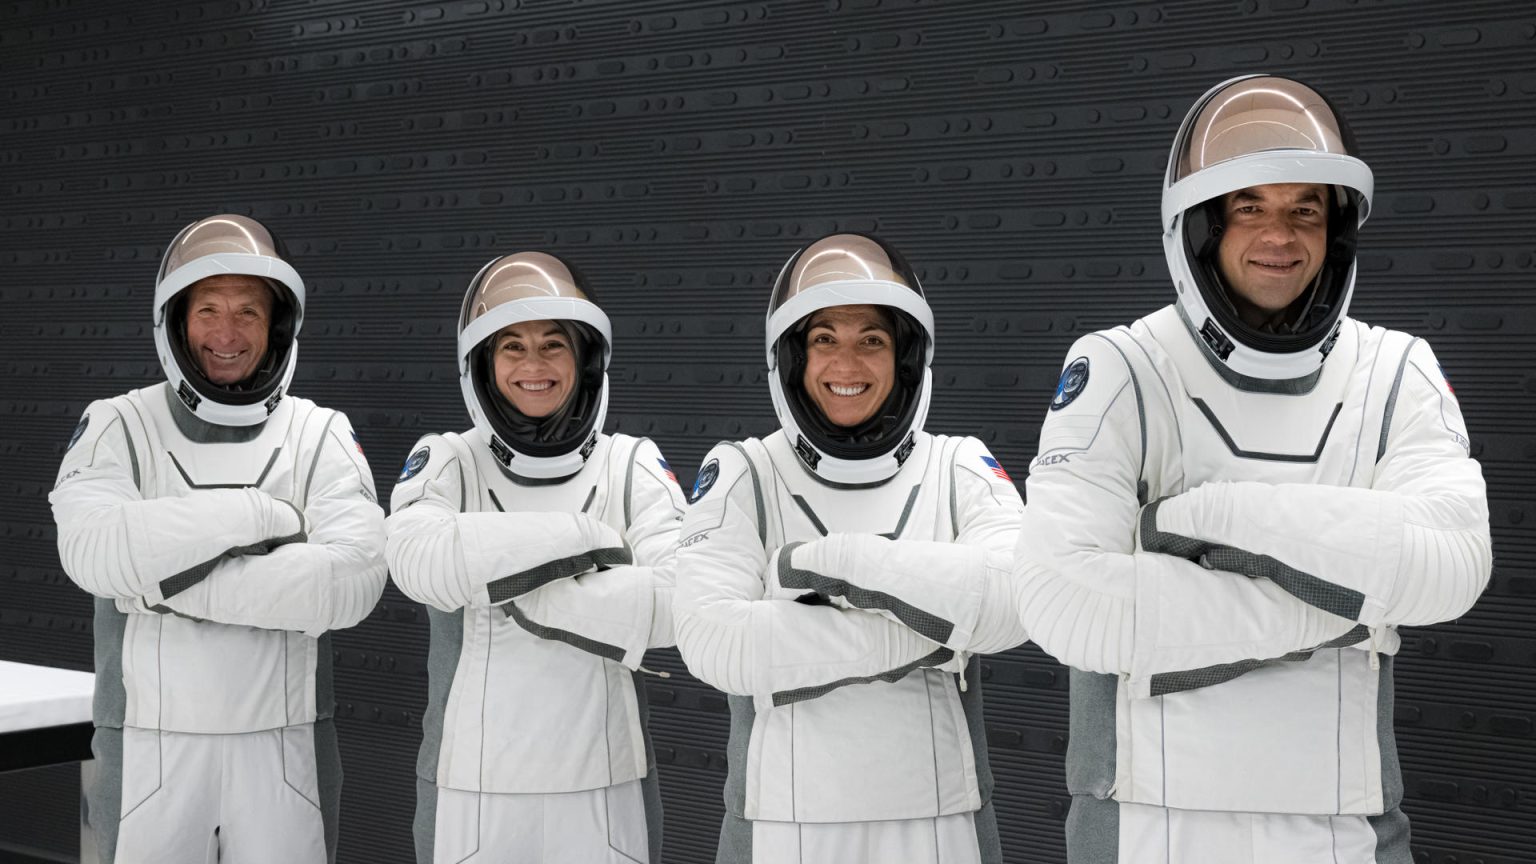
[535, 366]
[229, 318]
[850, 362]
[1273, 244]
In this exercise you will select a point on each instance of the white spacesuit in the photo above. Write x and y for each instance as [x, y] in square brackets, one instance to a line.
[544, 551]
[224, 529]
[833, 580]
[1227, 522]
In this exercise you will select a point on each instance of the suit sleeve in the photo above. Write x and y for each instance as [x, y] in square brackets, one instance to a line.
[450, 559]
[959, 594]
[626, 607]
[331, 580]
[116, 544]
[1090, 596]
[735, 637]
[1414, 548]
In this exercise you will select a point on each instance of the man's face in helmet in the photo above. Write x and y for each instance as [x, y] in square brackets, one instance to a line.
[1273, 243]
[535, 366]
[850, 362]
[229, 318]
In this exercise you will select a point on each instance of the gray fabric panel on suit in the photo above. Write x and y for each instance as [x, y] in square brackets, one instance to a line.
[803, 694]
[314, 462]
[1309, 589]
[989, 841]
[1164, 683]
[757, 492]
[743, 715]
[1141, 408]
[424, 823]
[1392, 837]
[1386, 737]
[444, 646]
[923, 623]
[1090, 764]
[328, 780]
[104, 800]
[325, 678]
[735, 845]
[510, 587]
[1391, 407]
[629, 487]
[987, 838]
[1093, 830]
[650, 787]
[110, 701]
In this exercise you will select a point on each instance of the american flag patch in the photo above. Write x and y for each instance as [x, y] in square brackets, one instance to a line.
[1446, 379]
[358, 444]
[997, 470]
[667, 470]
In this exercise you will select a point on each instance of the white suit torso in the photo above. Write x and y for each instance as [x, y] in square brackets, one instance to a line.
[536, 694]
[1350, 492]
[847, 723]
[217, 614]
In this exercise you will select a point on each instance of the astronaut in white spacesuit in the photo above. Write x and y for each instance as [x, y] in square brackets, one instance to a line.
[1236, 501]
[224, 526]
[835, 578]
[543, 550]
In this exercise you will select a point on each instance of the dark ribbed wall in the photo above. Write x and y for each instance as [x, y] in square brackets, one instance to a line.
[678, 152]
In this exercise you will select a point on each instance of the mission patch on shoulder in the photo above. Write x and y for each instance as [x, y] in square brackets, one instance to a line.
[707, 477]
[1074, 379]
[415, 463]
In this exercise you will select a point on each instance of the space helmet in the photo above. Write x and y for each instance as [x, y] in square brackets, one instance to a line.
[534, 286]
[227, 245]
[1252, 131]
[840, 270]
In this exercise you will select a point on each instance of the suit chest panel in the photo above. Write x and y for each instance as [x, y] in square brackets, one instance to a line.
[591, 490]
[273, 461]
[1326, 436]
[913, 505]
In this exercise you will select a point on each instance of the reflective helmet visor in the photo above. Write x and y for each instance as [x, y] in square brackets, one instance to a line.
[842, 258]
[1254, 115]
[519, 277]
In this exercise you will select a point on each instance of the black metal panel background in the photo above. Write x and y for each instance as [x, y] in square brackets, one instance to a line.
[679, 152]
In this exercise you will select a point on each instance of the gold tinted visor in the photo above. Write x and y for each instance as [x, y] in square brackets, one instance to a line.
[218, 235]
[516, 277]
[1257, 114]
[840, 258]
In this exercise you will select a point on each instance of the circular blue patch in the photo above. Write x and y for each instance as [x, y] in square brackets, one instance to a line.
[707, 477]
[1074, 379]
[415, 463]
[85, 420]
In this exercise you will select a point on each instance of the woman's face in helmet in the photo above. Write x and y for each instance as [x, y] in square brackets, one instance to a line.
[535, 366]
[850, 362]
